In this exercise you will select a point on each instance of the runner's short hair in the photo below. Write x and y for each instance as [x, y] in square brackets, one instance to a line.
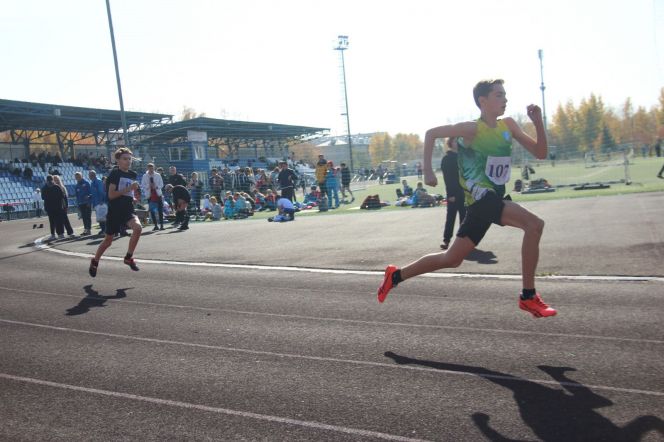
[484, 88]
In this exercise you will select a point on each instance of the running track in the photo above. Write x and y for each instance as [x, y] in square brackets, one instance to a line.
[212, 352]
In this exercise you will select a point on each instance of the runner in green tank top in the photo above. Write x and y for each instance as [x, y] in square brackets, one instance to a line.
[486, 164]
[484, 168]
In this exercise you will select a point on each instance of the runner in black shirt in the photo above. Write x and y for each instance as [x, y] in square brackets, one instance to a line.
[120, 185]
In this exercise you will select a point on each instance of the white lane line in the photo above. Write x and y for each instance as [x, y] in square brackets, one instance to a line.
[39, 244]
[333, 360]
[207, 408]
[346, 320]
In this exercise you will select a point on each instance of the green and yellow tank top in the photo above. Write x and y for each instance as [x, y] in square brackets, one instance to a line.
[486, 164]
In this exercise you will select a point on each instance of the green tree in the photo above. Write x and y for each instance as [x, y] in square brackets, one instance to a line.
[590, 116]
[607, 142]
[564, 131]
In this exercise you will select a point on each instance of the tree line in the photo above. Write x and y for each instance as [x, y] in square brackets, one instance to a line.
[592, 127]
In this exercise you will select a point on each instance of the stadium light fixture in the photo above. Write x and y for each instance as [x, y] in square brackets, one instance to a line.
[342, 45]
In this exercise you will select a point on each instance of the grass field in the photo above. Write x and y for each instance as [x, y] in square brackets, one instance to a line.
[643, 173]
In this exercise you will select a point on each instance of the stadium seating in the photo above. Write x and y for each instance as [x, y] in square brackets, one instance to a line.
[18, 191]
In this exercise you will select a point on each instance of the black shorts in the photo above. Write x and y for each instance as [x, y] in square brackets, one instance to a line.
[116, 221]
[479, 217]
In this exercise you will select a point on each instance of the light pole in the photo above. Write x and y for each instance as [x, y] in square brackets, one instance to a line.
[117, 75]
[342, 45]
[540, 54]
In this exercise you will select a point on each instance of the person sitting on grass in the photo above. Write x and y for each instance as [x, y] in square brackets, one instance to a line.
[419, 196]
[241, 206]
[312, 197]
[229, 206]
[215, 212]
[270, 200]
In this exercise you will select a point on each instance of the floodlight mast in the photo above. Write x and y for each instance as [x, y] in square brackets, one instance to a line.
[117, 76]
[342, 45]
[540, 54]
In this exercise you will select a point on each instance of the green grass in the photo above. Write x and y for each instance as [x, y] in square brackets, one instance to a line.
[643, 173]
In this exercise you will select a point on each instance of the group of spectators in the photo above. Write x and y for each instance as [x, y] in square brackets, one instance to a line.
[228, 194]
[89, 195]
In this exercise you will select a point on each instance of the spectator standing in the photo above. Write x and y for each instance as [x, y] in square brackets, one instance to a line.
[287, 180]
[37, 202]
[455, 197]
[321, 173]
[345, 182]
[84, 202]
[250, 183]
[152, 184]
[65, 205]
[52, 196]
[226, 180]
[98, 200]
[332, 185]
[195, 187]
[216, 183]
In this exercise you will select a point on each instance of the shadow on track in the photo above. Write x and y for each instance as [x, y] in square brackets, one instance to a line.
[553, 414]
[482, 257]
[93, 299]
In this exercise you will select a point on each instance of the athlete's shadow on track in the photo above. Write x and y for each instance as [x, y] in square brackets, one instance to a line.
[553, 414]
[482, 256]
[94, 299]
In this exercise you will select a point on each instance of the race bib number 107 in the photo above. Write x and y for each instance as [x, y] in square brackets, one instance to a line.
[498, 169]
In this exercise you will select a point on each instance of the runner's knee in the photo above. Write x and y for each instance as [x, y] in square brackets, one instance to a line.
[536, 225]
[450, 260]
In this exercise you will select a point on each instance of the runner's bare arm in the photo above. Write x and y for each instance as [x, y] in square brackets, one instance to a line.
[466, 130]
[538, 147]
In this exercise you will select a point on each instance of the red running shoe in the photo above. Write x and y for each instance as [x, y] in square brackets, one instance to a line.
[536, 307]
[131, 263]
[387, 285]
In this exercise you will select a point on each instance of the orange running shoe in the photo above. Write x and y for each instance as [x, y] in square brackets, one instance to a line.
[536, 307]
[387, 285]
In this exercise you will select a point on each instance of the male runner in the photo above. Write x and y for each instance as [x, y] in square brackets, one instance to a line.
[484, 169]
[120, 184]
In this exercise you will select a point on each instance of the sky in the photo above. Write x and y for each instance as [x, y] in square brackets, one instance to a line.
[410, 65]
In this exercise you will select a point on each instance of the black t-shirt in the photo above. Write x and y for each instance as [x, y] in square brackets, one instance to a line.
[286, 178]
[124, 203]
[450, 170]
[176, 180]
[181, 193]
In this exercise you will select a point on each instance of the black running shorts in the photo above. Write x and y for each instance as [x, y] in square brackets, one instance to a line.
[479, 217]
[116, 221]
